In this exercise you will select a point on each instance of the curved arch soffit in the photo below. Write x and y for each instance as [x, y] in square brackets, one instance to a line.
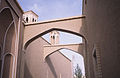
[61, 49]
[12, 22]
[45, 32]
[9, 54]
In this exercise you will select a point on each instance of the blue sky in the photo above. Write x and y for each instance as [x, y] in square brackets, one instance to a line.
[65, 38]
[54, 9]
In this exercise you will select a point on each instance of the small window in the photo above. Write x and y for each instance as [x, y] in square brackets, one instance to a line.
[27, 19]
[33, 20]
[53, 37]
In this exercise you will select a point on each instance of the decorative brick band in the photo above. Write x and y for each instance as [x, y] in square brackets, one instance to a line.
[99, 67]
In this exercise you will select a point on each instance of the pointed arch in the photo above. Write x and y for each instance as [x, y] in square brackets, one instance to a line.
[10, 27]
[35, 30]
[6, 20]
[8, 65]
[49, 30]
[50, 49]
[9, 36]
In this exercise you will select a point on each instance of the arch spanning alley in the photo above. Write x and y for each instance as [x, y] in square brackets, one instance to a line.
[71, 25]
[35, 30]
[49, 49]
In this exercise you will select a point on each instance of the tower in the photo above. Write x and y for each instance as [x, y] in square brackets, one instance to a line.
[54, 37]
[30, 16]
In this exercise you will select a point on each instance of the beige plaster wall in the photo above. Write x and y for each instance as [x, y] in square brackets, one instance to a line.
[71, 25]
[10, 21]
[102, 32]
[49, 49]
[54, 66]
[30, 15]
[32, 30]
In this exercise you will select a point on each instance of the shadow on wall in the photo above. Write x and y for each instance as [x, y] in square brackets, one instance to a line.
[83, 31]
[49, 62]
[27, 73]
[7, 68]
[5, 20]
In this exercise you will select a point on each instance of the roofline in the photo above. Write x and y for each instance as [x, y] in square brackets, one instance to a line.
[19, 6]
[32, 12]
[56, 20]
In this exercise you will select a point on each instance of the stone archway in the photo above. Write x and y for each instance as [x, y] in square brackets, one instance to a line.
[70, 25]
[50, 49]
[69, 55]
[35, 30]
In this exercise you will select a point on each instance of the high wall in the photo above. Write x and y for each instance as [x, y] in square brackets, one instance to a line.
[102, 30]
[55, 66]
[71, 25]
[11, 38]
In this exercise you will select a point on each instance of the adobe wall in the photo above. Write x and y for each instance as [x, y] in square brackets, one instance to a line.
[102, 30]
[11, 29]
[54, 65]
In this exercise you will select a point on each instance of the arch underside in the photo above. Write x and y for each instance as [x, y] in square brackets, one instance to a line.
[36, 30]
[50, 49]
[71, 25]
